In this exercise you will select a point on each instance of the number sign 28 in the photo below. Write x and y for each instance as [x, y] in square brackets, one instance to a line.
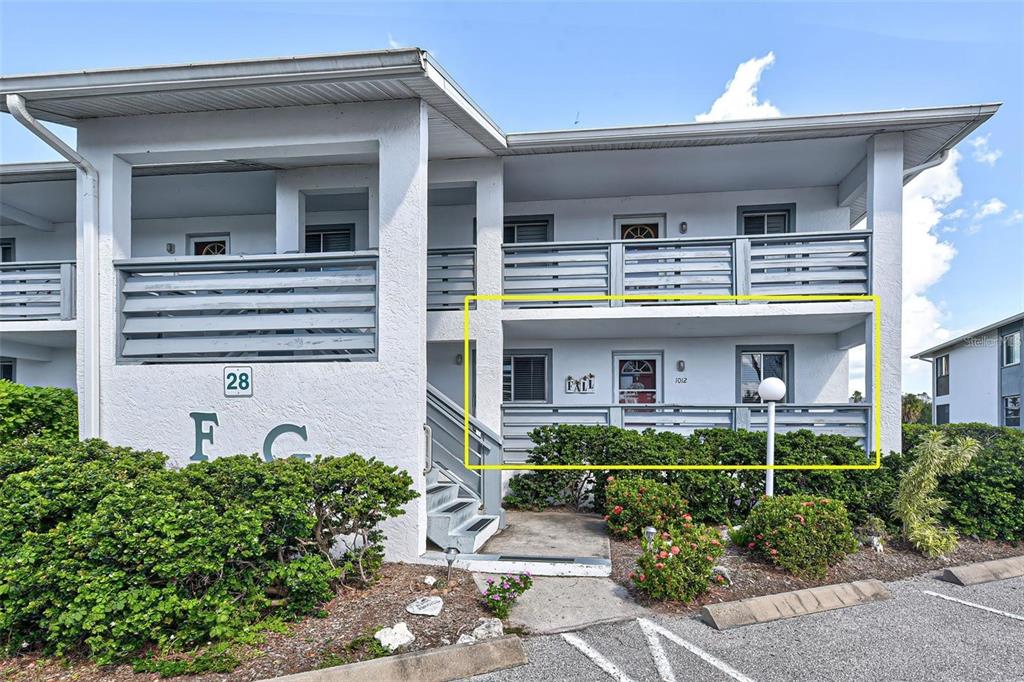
[237, 382]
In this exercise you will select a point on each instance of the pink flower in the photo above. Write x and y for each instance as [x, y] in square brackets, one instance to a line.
[687, 517]
[663, 554]
[752, 545]
[659, 565]
[693, 545]
[630, 575]
[495, 597]
[675, 550]
[773, 552]
[709, 557]
[643, 577]
[611, 478]
[606, 517]
[665, 536]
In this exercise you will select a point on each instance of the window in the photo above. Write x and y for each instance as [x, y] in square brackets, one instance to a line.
[525, 377]
[329, 238]
[757, 365]
[942, 414]
[637, 379]
[942, 375]
[773, 219]
[529, 228]
[1011, 349]
[209, 244]
[7, 369]
[639, 226]
[6, 250]
[1011, 410]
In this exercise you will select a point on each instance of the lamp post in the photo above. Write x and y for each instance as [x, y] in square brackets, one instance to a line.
[450, 555]
[771, 391]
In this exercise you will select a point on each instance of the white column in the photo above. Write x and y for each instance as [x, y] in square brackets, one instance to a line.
[486, 326]
[290, 218]
[885, 220]
[402, 309]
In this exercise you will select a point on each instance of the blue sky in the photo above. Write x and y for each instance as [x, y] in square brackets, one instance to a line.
[534, 66]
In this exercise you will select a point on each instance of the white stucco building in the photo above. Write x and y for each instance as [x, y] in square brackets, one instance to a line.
[271, 256]
[977, 377]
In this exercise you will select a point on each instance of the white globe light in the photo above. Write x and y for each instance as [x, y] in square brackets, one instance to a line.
[772, 389]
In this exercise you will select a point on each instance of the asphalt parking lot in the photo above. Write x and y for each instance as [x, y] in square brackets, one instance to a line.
[917, 635]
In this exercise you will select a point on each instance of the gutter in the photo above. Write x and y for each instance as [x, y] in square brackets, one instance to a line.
[88, 328]
[930, 163]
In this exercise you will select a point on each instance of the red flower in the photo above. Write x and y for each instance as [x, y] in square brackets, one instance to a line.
[643, 577]
[773, 552]
[693, 545]
[630, 575]
[806, 504]
[759, 536]
[752, 545]
[611, 478]
[675, 550]
[709, 557]
[687, 517]
[715, 542]
[617, 509]
[663, 554]
[659, 565]
[665, 536]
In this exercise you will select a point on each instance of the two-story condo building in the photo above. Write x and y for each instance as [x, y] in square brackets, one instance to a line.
[272, 255]
[977, 377]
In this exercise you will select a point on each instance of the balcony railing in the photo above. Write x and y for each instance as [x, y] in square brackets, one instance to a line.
[37, 290]
[224, 308]
[451, 276]
[832, 263]
[518, 420]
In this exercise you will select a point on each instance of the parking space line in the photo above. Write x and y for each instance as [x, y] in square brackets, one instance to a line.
[651, 630]
[595, 656]
[977, 606]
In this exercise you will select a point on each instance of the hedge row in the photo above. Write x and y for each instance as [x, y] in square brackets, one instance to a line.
[37, 410]
[105, 551]
[984, 500]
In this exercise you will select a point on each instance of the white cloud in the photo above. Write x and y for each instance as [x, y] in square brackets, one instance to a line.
[926, 259]
[990, 208]
[392, 43]
[1016, 217]
[983, 153]
[739, 101]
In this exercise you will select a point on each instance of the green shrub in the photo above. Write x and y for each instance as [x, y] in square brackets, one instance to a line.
[105, 551]
[635, 503]
[37, 410]
[983, 500]
[502, 592]
[916, 504]
[803, 534]
[678, 564]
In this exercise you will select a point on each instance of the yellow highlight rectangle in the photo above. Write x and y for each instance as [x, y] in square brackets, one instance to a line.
[876, 370]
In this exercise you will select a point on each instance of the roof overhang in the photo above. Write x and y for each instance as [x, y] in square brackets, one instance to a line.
[940, 349]
[69, 97]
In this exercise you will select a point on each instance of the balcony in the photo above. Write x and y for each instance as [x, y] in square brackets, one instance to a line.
[451, 276]
[37, 290]
[818, 263]
[265, 308]
[518, 420]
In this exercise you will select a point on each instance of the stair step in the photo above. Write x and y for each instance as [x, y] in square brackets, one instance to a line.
[438, 488]
[479, 524]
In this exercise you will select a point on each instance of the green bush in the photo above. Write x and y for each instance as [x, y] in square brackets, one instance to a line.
[678, 563]
[105, 551]
[502, 592]
[37, 410]
[916, 504]
[635, 503]
[715, 496]
[983, 500]
[803, 534]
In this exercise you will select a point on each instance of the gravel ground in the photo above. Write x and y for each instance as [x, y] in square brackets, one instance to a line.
[307, 643]
[914, 636]
[753, 578]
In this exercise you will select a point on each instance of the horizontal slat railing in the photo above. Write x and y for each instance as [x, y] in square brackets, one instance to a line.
[518, 420]
[814, 263]
[37, 290]
[270, 308]
[451, 276]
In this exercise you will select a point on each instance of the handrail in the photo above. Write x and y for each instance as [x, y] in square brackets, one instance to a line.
[19, 264]
[685, 405]
[796, 236]
[183, 262]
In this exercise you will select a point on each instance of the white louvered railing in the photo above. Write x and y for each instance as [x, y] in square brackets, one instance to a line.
[519, 419]
[37, 290]
[270, 308]
[815, 263]
[451, 276]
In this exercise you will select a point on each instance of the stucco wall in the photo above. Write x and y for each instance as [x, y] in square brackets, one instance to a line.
[375, 408]
[820, 371]
[974, 381]
[706, 214]
[59, 371]
[30, 244]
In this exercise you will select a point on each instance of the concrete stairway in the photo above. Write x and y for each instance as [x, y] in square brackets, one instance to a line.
[454, 517]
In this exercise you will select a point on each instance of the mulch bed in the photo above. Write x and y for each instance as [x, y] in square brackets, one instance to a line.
[311, 643]
[754, 578]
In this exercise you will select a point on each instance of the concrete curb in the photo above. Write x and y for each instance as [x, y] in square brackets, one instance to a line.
[433, 665]
[792, 604]
[985, 572]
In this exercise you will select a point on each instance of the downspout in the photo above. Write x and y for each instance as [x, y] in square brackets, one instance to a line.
[88, 336]
[931, 163]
